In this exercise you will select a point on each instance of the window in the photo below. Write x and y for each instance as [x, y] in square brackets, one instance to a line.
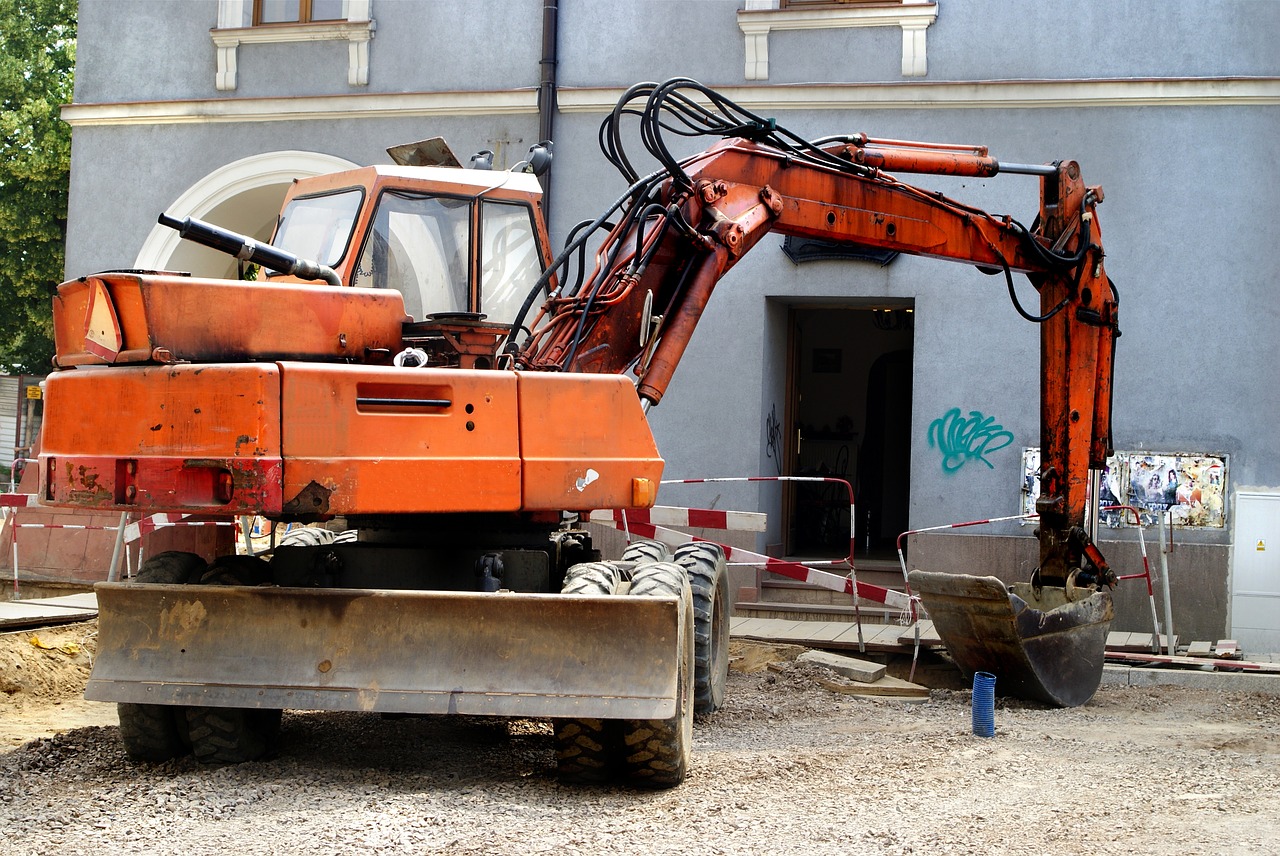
[419, 245]
[298, 11]
[509, 260]
[266, 22]
[318, 227]
[810, 4]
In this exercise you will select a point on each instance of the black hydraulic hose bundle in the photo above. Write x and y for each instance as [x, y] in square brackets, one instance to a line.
[677, 107]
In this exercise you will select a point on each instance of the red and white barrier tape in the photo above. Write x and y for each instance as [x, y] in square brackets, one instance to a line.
[133, 531]
[793, 570]
[902, 558]
[701, 518]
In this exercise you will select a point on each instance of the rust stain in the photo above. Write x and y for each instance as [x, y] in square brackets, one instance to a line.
[367, 698]
[181, 620]
[83, 487]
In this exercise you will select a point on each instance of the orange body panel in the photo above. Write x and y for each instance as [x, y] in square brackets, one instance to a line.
[314, 439]
[176, 318]
[345, 454]
[584, 439]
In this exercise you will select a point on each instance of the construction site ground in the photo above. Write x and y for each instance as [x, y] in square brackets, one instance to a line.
[787, 766]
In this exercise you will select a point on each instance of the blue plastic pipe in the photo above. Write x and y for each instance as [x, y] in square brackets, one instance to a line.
[984, 704]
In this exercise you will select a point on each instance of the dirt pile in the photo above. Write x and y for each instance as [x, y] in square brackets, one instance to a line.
[48, 664]
[42, 678]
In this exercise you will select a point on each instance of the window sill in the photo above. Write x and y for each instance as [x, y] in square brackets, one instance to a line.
[356, 33]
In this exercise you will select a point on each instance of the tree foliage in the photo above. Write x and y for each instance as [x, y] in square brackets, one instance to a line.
[37, 63]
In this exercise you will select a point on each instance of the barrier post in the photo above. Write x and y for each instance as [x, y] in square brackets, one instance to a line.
[113, 572]
[13, 537]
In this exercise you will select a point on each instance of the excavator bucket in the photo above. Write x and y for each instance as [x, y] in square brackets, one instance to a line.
[484, 654]
[1043, 646]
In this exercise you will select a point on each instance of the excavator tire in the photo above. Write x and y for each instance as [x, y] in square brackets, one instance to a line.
[585, 750]
[646, 551]
[171, 568]
[155, 733]
[655, 752]
[591, 578]
[307, 536]
[232, 735]
[709, 581]
[237, 571]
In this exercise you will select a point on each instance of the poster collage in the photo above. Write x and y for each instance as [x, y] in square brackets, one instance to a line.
[1190, 487]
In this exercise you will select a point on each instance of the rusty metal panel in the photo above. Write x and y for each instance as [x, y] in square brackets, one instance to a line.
[1045, 648]
[167, 318]
[191, 437]
[500, 654]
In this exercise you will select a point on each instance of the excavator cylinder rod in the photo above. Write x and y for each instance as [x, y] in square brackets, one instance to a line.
[1028, 168]
[483, 654]
[1041, 646]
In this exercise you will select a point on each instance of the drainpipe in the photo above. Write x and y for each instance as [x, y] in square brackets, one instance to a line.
[547, 89]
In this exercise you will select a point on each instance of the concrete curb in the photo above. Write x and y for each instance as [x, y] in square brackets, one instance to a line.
[1236, 682]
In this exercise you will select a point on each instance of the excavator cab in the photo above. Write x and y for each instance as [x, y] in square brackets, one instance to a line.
[448, 240]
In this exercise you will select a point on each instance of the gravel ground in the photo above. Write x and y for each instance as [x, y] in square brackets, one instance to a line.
[785, 767]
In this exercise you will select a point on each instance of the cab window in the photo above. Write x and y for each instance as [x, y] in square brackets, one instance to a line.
[318, 228]
[509, 258]
[418, 245]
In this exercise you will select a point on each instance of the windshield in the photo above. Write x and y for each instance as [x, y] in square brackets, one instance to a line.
[419, 245]
[318, 228]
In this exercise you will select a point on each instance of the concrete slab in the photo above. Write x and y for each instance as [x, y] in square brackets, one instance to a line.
[15, 614]
[850, 667]
[1238, 682]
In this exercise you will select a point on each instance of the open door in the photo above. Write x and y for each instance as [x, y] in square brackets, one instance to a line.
[849, 418]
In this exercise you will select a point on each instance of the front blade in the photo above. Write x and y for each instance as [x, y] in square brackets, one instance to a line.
[1045, 648]
[500, 654]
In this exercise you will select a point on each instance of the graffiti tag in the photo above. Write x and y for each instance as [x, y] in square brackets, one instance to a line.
[965, 438]
[773, 433]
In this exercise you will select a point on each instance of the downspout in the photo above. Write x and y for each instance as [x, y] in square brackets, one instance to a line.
[547, 89]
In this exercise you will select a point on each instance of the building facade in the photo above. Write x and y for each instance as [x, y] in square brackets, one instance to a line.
[913, 378]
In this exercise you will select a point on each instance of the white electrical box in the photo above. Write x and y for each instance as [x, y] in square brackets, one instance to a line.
[1255, 573]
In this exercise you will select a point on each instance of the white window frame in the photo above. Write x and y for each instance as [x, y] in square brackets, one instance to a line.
[759, 17]
[235, 19]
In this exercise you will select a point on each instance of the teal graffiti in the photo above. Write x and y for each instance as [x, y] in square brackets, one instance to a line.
[965, 438]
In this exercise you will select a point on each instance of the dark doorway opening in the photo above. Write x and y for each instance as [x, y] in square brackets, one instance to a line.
[849, 418]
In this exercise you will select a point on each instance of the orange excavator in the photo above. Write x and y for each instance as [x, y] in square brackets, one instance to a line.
[388, 368]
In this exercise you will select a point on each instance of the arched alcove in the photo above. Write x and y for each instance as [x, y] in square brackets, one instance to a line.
[243, 196]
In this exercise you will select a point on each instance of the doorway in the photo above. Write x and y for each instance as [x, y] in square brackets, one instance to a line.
[849, 418]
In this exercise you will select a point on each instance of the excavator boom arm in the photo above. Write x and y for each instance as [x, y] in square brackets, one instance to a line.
[657, 268]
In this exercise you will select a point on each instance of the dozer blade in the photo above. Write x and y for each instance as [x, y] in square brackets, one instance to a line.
[497, 654]
[1046, 648]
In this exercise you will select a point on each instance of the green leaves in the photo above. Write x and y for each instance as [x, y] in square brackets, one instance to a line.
[37, 64]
